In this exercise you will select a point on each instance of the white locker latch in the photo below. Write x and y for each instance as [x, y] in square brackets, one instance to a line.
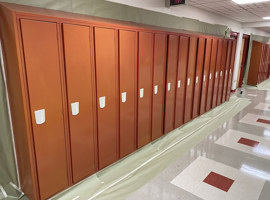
[210, 76]
[141, 92]
[230, 71]
[124, 97]
[197, 78]
[75, 108]
[188, 81]
[102, 102]
[226, 72]
[40, 116]
[169, 86]
[156, 89]
[203, 78]
[179, 83]
[221, 73]
[216, 74]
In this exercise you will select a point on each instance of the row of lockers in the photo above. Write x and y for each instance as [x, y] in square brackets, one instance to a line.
[92, 94]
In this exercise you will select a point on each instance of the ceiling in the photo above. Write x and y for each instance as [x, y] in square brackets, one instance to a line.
[242, 13]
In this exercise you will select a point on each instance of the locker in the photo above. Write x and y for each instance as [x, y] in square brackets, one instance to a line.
[145, 82]
[231, 70]
[198, 77]
[171, 82]
[222, 71]
[46, 106]
[190, 78]
[80, 100]
[228, 60]
[128, 91]
[217, 73]
[181, 81]
[211, 76]
[160, 57]
[205, 78]
[107, 95]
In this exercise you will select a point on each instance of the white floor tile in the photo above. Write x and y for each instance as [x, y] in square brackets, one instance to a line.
[263, 106]
[252, 119]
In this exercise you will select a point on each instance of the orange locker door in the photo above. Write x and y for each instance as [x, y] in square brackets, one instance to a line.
[160, 56]
[228, 60]
[190, 78]
[205, 78]
[41, 51]
[80, 100]
[198, 78]
[181, 81]
[128, 91]
[211, 76]
[217, 72]
[231, 70]
[170, 82]
[107, 95]
[145, 82]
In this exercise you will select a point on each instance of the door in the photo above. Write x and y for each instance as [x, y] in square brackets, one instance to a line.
[170, 83]
[160, 57]
[231, 70]
[227, 69]
[145, 82]
[181, 81]
[46, 106]
[128, 91]
[205, 78]
[80, 92]
[198, 78]
[107, 95]
[190, 78]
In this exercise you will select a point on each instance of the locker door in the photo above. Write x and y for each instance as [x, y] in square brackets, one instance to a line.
[231, 70]
[212, 75]
[145, 82]
[181, 81]
[205, 78]
[128, 91]
[217, 73]
[222, 71]
[170, 83]
[46, 106]
[107, 95]
[198, 78]
[190, 78]
[160, 57]
[80, 100]
[228, 60]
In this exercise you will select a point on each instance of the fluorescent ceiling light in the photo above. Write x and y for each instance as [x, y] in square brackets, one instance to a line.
[248, 1]
[266, 18]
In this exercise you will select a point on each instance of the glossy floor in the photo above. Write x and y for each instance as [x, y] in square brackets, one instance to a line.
[233, 162]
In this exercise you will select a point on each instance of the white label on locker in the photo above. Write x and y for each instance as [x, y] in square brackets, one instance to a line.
[221, 73]
[210, 76]
[75, 108]
[40, 116]
[197, 78]
[141, 92]
[156, 89]
[179, 83]
[124, 97]
[102, 102]
[188, 81]
[169, 86]
[216, 74]
[204, 78]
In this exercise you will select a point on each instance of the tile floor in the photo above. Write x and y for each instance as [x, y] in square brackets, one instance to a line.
[233, 162]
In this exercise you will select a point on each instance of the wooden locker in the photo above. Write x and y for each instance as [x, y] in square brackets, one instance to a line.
[198, 77]
[45, 95]
[181, 81]
[145, 82]
[172, 61]
[231, 70]
[160, 57]
[128, 91]
[226, 75]
[205, 78]
[211, 76]
[190, 78]
[222, 71]
[83, 139]
[217, 73]
[107, 95]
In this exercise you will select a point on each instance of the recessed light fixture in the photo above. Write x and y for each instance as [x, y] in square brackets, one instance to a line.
[268, 18]
[248, 1]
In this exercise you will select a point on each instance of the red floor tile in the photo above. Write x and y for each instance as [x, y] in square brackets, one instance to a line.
[263, 121]
[248, 142]
[219, 181]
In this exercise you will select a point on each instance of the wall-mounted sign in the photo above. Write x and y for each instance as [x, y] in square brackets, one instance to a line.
[177, 2]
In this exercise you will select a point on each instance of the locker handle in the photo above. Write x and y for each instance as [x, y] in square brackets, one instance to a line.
[221, 73]
[179, 84]
[124, 97]
[203, 78]
[141, 92]
[210, 76]
[226, 72]
[197, 78]
[169, 86]
[188, 81]
[230, 71]
[75, 108]
[102, 102]
[156, 89]
[40, 116]
[216, 74]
